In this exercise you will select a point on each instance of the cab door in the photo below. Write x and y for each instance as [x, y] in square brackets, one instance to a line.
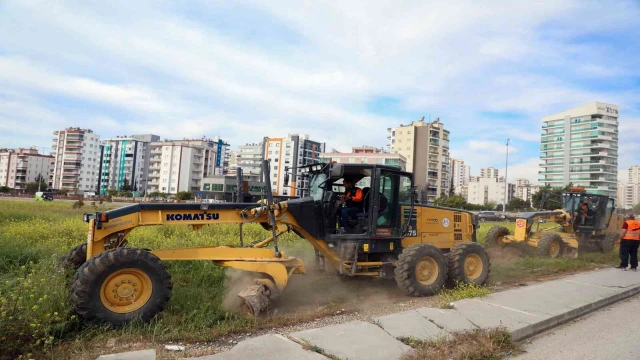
[391, 190]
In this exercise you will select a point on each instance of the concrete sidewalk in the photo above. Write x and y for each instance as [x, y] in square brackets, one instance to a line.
[524, 311]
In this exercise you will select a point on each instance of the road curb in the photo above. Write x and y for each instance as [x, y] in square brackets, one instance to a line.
[537, 328]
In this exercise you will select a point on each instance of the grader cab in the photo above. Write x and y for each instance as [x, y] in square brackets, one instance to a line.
[392, 237]
[585, 222]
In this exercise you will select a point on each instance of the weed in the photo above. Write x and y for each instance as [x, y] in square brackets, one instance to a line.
[461, 291]
[471, 345]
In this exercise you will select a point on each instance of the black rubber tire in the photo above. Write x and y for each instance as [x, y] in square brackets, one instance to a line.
[87, 284]
[494, 234]
[609, 242]
[545, 243]
[75, 257]
[456, 259]
[405, 271]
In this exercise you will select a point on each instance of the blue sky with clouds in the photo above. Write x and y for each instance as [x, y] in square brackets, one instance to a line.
[340, 71]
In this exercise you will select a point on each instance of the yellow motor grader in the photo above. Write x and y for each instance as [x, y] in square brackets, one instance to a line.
[421, 247]
[585, 222]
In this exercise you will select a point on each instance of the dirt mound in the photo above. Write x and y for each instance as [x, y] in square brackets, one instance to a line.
[506, 254]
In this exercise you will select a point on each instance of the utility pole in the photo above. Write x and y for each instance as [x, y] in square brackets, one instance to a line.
[506, 182]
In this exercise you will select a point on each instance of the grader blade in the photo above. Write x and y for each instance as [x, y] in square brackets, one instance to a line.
[570, 252]
[256, 299]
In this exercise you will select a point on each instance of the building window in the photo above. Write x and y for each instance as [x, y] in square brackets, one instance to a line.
[173, 189]
[275, 183]
[352, 160]
[275, 168]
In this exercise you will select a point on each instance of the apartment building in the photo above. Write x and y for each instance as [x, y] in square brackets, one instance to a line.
[180, 165]
[125, 158]
[489, 172]
[525, 190]
[460, 172]
[250, 158]
[489, 187]
[425, 145]
[580, 146]
[366, 155]
[77, 160]
[21, 166]
[628, 194]
[293, 150]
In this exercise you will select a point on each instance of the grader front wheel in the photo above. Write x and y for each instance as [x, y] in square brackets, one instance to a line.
[119, 286]
[75, 257]
[495, 236]
[421, 270]
[550, 245]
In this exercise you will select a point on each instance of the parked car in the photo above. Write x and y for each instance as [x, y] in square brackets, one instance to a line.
[485, 216]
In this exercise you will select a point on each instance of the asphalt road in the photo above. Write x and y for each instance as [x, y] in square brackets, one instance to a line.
[610, 333]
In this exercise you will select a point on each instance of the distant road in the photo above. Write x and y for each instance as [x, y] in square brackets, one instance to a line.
[609, 333]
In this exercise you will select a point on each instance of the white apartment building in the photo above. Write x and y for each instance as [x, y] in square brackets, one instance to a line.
[489, 172]
[366, 155]
[425, 145]
[486, 190]
[629, 193]
[21, 166]
[125, 157]
[180, 165]
[293, 150]
[460, 173]
[580, 146]
[525, 190]
[77, 160]
[250, 158]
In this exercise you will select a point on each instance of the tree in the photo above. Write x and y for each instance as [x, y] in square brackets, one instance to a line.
[636, 209]
[552, 197]
[518, 204]
[498, 207]
[125, 185]
[184, 195]
[491, 205]
[455, 201]
[4, 189]
[112, 192]
[63, 192]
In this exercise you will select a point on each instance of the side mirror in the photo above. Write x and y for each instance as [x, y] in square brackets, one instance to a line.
[337, 171]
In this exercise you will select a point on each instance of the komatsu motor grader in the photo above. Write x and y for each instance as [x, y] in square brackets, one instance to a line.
[421, 247]
[585, 222]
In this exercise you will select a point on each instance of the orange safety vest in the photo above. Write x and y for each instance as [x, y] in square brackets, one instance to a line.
[633, 230]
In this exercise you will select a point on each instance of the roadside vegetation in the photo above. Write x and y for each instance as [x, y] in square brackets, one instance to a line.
[35, 320]
[472, 345]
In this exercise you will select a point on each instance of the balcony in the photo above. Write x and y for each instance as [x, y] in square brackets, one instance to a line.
[157, 151]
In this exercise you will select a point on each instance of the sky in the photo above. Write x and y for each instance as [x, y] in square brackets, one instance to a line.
[340, 71]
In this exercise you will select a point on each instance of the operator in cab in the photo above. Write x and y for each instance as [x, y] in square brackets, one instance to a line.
[353, 201]
[629, 243]
[583, 214]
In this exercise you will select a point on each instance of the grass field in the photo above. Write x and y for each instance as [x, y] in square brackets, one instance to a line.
[34, 309]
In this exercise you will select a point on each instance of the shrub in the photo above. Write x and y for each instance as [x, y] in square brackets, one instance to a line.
[78, 204]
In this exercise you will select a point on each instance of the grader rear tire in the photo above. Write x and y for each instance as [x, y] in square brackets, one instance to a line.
[421, 270]
[119, 286]
[469, 263]
[75, 257]
[609, 242]
[494, 236]
[550, 245]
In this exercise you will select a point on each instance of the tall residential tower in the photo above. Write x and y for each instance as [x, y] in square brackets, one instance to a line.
[580, 146]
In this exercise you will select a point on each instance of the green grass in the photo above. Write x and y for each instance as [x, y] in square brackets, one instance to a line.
[35, 314]
[462, 291]
[34, 308]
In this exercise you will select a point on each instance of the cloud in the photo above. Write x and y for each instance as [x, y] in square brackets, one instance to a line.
[244, 70]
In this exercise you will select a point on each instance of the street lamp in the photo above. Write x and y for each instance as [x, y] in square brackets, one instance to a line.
[506, 183]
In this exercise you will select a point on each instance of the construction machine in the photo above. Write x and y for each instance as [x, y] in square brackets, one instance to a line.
[420, 247]
[585, 222]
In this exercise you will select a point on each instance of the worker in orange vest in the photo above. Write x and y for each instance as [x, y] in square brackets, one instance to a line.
[629, 243]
